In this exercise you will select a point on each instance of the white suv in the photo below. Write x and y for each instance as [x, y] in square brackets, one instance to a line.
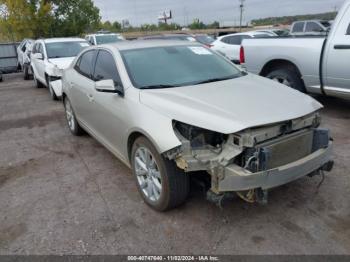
[104, 38]
[50, 57]
[229, 45]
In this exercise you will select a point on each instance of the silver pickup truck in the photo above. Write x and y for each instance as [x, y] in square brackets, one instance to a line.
[319, 65]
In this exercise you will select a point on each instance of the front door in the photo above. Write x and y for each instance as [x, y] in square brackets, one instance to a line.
[337, 60]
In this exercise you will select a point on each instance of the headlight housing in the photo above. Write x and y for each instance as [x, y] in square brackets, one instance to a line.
[198, 137]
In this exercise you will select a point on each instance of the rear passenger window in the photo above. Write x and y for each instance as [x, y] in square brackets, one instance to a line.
[236, 40]
[106, 68]
[226, 40]
[84, 64]
[313, 27]
[348, 31]
[298, 27]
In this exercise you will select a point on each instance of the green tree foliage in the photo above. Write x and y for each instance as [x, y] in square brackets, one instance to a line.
[73, 17]
[46, 18]
[196, 24]
[21, 18]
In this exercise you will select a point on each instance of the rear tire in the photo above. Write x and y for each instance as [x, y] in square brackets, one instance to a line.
[72, 122]
[288, 77]
[173, 183]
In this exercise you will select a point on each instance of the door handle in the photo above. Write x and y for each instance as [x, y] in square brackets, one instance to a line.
[90, 97]
[342, 47]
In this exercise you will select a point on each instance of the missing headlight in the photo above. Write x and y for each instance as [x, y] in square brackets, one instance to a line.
[199, 137]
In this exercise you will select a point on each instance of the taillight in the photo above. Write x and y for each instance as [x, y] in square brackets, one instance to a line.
[209, 45]
[241, 55]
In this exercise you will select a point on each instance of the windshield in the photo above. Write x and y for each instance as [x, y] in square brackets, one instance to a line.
[205, 39]
[161, 67]
[105, 39]
[65, 49]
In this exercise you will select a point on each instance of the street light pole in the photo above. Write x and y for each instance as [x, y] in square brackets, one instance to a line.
[241, 6]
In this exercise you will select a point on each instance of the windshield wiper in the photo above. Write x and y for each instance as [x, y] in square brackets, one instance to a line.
[157, 86]
[214, 80]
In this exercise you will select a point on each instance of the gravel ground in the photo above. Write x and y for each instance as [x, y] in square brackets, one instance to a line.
[61, 194]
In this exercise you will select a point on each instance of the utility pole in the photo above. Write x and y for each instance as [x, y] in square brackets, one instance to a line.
[241, 6]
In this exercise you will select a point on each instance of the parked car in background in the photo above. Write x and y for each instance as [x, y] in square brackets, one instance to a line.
[23, 57]
[104, 38]
[274, 31]
[204, 39]
[181, 37]
[169, 108]
[0, 76]
[318, 65]
[50, 57]
[229, 45]
[310, 27]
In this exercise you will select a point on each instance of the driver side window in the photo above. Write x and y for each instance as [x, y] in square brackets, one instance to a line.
[106, 68]
[84, 64]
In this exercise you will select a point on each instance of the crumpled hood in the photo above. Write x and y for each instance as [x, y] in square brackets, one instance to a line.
[232, 105]
[62, 63]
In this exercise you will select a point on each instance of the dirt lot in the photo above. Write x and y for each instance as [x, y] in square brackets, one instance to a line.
[61, 194]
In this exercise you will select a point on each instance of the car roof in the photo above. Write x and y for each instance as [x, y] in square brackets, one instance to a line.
[63, 39]
[139, 44]
[99, 34]
[251, 33]
[312, 20]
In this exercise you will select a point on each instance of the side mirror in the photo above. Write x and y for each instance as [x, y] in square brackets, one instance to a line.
[38, 56]
[108, 86]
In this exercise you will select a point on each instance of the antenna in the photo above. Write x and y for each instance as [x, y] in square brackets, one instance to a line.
[241, 6]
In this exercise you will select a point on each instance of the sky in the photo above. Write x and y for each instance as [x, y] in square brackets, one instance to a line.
[184, 11]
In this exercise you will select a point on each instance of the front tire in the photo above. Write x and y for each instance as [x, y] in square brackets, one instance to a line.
[26, 72]
[37, 83]
[161, 183]
[288, 77]
[52, 92]
[72, 122]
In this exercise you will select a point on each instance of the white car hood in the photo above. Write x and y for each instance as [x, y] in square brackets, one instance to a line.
[232, 105]
[62, 63]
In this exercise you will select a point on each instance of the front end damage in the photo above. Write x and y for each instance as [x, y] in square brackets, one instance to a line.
[254, 160]
[55, 79]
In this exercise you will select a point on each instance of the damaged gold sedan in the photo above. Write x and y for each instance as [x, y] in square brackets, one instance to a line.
[168, 108]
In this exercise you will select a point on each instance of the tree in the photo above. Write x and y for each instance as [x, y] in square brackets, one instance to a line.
[214, 25]
[21, 18]
[47, 18]
[74, 17]
[196, 24]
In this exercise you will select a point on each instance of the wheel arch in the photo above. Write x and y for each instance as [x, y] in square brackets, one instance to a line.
[278, 64]
[131, 138]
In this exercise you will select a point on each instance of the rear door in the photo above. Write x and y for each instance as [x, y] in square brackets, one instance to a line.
[298, 28]
[337, 57]
[313, 28]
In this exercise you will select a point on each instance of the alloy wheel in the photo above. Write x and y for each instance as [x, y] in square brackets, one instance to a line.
[69, 115]
[148, 174]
